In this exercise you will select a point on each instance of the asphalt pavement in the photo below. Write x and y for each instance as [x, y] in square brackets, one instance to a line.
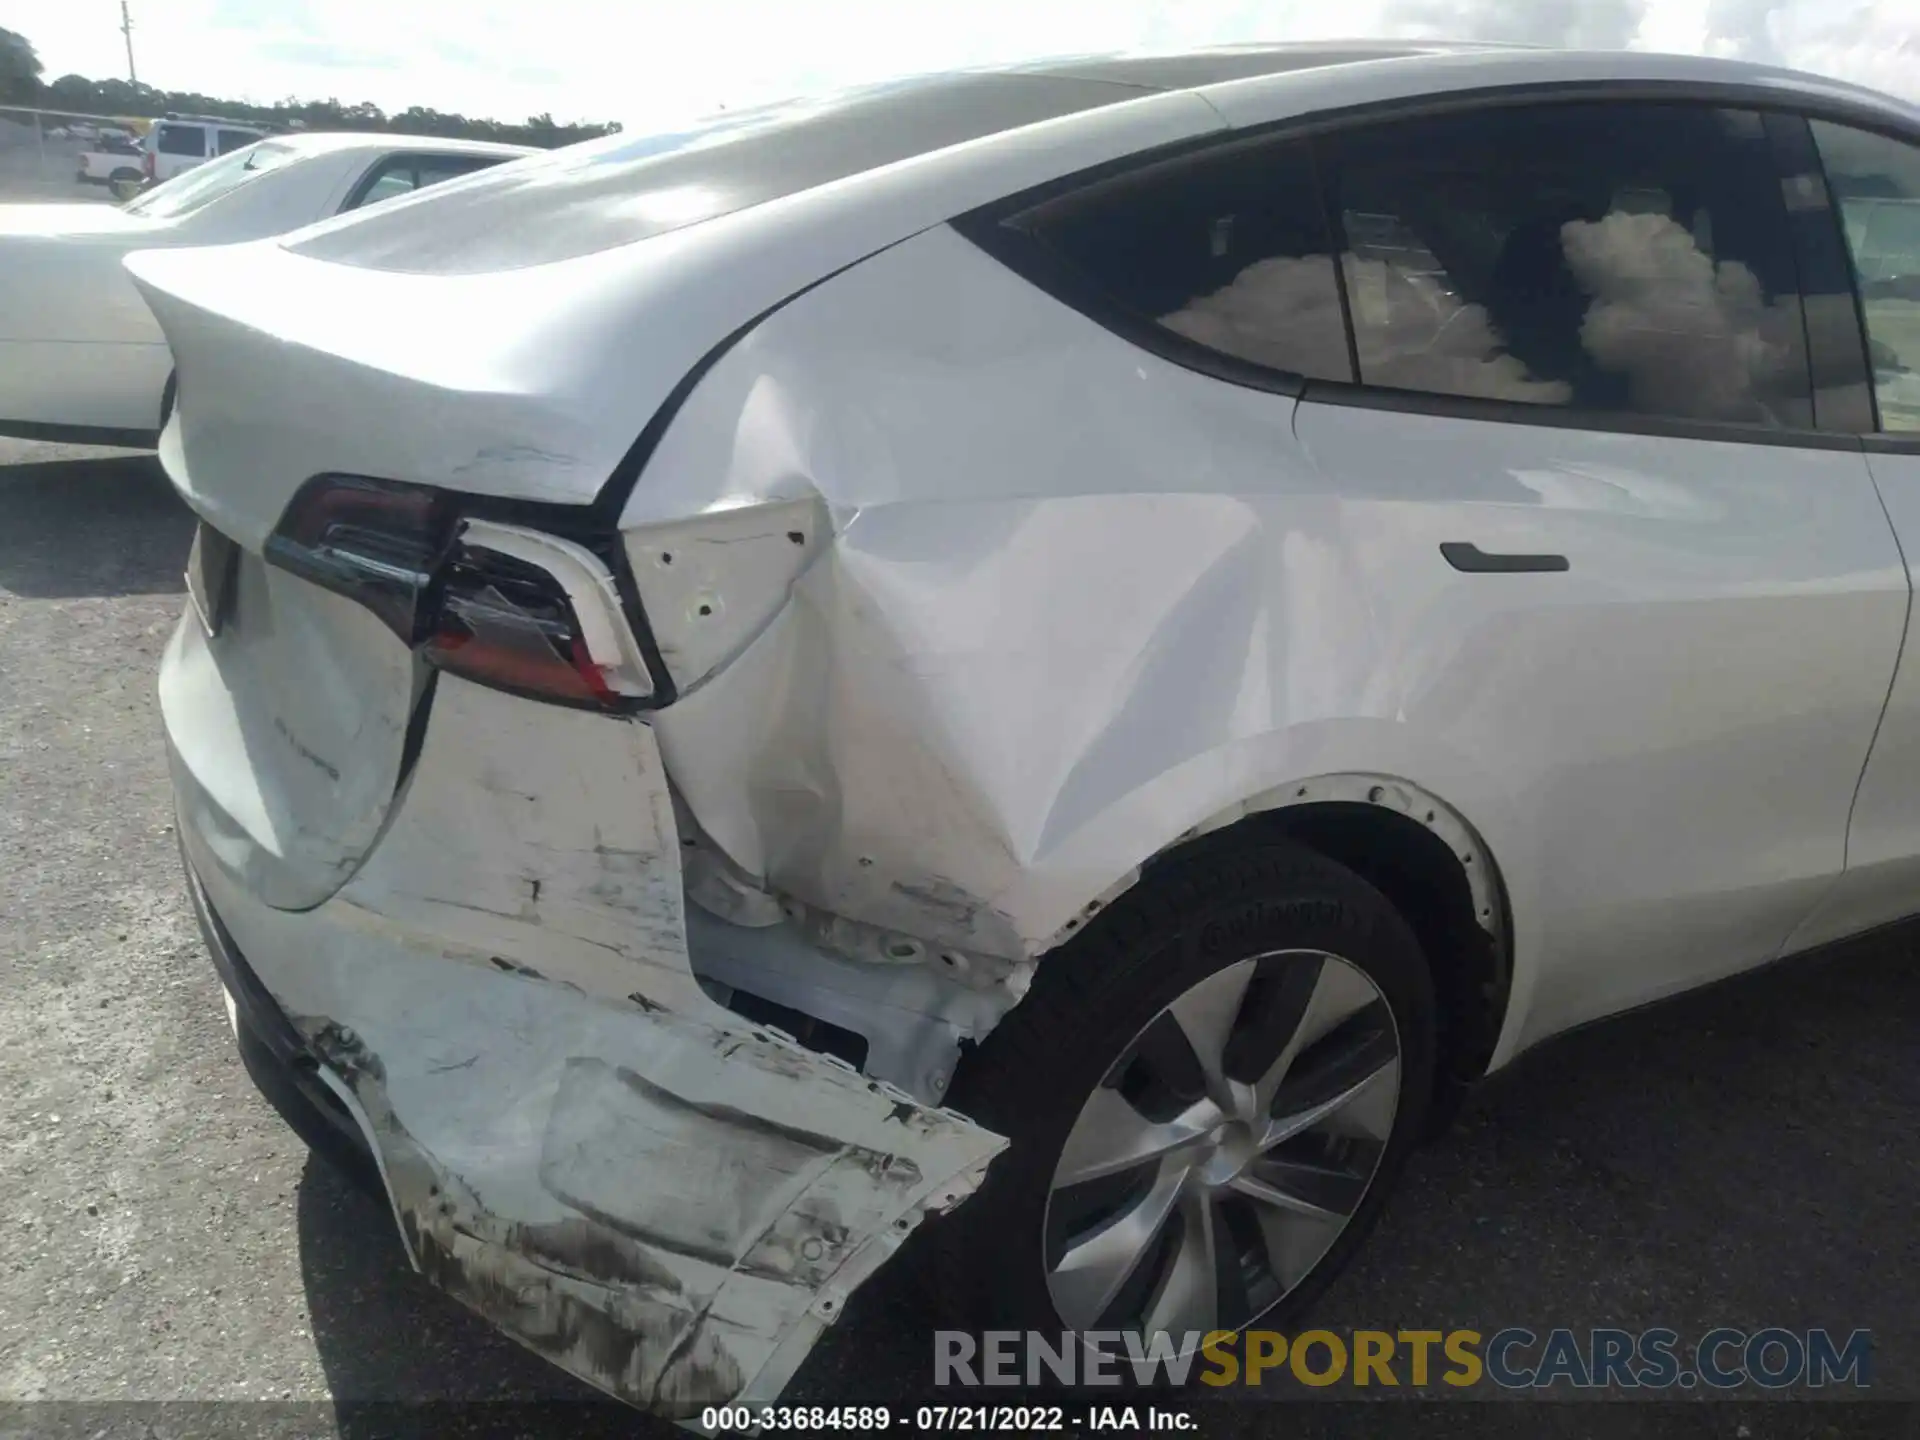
[1747, 1157]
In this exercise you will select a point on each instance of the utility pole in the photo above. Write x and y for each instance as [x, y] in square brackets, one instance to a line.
[126, 29]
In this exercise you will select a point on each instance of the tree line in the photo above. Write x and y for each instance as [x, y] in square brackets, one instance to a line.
[21, 84]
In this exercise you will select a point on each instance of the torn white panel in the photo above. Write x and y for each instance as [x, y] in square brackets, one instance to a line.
[655, 1204]
[578, 1143]
[542, 840]
[711, 584]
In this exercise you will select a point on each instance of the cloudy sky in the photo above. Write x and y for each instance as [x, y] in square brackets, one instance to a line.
[644, 61]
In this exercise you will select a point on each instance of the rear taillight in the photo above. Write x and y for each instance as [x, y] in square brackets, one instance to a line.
[509, 624]
[379, 544]
[495, 603]
[146, 164]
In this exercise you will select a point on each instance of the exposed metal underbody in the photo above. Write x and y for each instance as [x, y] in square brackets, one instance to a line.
[916, 1004]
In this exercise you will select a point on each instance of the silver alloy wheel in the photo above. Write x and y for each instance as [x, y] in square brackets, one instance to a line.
[1225, 1150]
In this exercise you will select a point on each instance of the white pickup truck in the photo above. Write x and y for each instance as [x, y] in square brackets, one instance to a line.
[113, 158]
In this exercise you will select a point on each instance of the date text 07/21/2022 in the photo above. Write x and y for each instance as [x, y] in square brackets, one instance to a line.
[1019, 1419]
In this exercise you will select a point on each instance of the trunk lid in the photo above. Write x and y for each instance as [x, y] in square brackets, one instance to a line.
[289, 368]
[291, 711]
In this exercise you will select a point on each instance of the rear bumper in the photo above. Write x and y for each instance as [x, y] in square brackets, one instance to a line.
[656, 1195]
[282, 1068]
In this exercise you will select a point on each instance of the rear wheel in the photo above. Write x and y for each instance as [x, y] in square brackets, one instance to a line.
[1208, 1094]
[125, 183]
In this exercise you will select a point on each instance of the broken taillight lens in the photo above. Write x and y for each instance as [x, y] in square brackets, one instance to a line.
[508, 624]
[399, 550]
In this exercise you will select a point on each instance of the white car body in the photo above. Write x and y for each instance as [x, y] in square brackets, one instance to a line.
[967, 607]
[80, 354]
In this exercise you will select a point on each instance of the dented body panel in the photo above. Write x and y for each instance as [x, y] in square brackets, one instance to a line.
[578, 1143]
[1038, 654]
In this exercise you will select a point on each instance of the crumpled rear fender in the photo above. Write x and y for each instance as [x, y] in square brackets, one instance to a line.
[657, 1195]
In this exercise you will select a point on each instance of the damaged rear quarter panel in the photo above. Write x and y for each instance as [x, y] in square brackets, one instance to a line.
[1077, 600]
[576, 1142]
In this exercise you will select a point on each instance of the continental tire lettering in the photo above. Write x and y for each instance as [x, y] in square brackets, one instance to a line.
[1225, 932]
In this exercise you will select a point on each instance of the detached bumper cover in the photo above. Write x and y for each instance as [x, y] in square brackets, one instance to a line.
[639, 1185]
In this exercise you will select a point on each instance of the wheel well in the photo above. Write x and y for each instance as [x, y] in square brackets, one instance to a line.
[1427, 882]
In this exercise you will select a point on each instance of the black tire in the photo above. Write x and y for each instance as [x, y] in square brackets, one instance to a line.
[1089, 1000]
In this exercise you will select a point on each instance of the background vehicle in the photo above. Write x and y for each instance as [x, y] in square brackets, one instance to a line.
[1180, 608]
[80, 354]
[179, 143]
[114, 159]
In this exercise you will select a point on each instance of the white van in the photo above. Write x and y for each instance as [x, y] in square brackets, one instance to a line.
[180, 143]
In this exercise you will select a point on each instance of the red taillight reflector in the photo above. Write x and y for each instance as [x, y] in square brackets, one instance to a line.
[508, 624]
[402, 552]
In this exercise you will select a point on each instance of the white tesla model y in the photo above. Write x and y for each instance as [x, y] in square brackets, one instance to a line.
[1107, 634]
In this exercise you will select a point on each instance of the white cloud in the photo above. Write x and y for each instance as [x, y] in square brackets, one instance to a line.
[1412, 331]
[639, 62]
[1692, 336]
[1870, 42]
[1283, 311]
[1574, 24]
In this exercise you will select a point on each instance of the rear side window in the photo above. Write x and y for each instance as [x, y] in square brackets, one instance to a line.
[402, 174]
[1228, 251]
[392, 181]
[1618, 257]
[182, 140]
[1605, 257]
[1876, 183]
[227, 141]
[432, 169]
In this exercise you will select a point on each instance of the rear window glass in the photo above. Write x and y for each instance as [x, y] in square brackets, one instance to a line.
[206, 183]
[624, 188]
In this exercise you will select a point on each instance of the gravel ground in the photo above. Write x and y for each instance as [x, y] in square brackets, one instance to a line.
[1747, 1157]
